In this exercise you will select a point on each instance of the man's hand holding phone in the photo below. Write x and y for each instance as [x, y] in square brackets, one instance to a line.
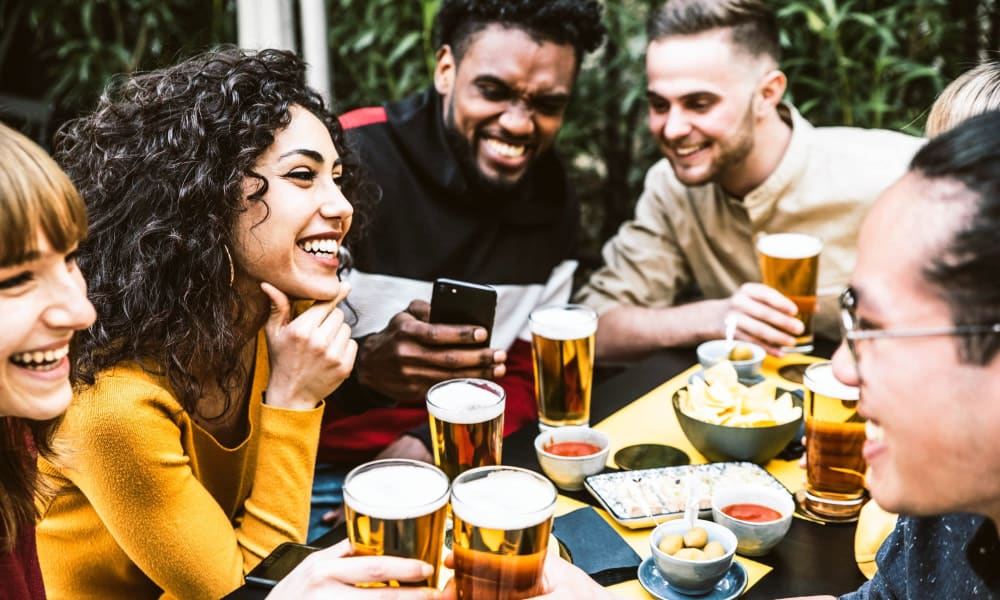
[411, 354]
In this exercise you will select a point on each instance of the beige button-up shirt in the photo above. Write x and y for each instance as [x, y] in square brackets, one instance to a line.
[700, 235]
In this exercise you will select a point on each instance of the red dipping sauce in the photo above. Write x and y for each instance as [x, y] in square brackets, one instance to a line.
[753, 513]
[572, 448]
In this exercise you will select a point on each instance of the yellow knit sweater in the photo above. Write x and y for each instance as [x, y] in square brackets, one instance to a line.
[152, 506]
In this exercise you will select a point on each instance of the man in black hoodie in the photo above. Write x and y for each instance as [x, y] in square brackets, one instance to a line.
[471, 189]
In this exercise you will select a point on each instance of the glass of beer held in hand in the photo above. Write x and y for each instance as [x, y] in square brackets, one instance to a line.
[398, 507]
[503, 518]
[562, 348]
[789, 263]
[466, 417]
[835, 436]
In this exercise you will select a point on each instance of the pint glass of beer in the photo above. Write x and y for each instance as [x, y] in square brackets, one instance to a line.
[503, 517]
[466, 417]
[398, 507]
[789, 263]
[562, 348]
[835, 435]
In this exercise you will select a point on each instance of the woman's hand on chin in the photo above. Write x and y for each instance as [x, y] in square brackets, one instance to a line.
[310, 355]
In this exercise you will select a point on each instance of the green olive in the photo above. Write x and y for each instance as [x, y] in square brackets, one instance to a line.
[696, 537]
[690, 554]
[714, 550]
[741, 352]
[671, 543]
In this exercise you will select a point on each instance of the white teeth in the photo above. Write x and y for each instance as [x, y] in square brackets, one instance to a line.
[325, 247]
[505, 150]
[38, 359]
[873, 432]
[689, 150]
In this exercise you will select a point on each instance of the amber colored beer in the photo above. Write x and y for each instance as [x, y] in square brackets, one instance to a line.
[562, 348]
[466, 417]
[503, 518]
[789, 263]
[835, 435]
[398, 507]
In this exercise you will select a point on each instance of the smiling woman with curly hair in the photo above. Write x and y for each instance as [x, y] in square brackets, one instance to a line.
[217, 190]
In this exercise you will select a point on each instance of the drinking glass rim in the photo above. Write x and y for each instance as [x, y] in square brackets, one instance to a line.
[417, 509]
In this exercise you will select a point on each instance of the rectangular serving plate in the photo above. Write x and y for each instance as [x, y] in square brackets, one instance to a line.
[641, 498]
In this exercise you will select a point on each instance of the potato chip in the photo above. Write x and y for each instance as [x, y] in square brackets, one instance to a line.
[721, 399]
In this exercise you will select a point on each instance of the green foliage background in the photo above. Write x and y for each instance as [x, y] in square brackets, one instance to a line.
[868, 63]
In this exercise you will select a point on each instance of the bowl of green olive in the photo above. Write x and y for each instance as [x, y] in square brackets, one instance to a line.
[745, 357]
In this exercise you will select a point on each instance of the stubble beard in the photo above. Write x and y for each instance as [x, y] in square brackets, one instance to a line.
[465, 155]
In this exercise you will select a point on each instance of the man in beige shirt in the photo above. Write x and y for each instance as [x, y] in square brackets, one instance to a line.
[738, 163]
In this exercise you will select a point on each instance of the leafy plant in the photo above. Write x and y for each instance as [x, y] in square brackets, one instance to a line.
[84, 44]
[381, 49]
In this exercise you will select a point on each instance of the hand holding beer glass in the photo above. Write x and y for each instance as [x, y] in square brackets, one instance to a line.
[503, 518]
[835, 436]
[466, 418]
[562, 349]
[398, 507]
[789, 263]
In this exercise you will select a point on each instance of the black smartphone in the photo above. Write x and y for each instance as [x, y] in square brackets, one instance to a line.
[462, 303]
[278, 563]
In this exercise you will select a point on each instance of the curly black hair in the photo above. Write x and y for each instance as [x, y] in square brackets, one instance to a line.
[574, 22]
[161, 165]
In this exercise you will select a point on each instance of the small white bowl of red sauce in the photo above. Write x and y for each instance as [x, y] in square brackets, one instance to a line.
[759, 515]
[570, 454]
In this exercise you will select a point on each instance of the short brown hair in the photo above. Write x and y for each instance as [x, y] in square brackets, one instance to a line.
[753, 23]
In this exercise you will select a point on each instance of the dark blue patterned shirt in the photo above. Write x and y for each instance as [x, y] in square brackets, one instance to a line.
[953, 556]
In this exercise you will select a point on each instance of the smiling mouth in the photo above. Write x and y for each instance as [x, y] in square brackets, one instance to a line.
[323, 248]
[688, 150]
[504, 149]
[874, 431]
[40, 360]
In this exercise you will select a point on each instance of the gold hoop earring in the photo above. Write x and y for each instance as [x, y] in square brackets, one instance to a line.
[232, 267]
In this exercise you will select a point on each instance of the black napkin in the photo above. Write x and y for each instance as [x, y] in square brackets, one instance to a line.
[596, 547]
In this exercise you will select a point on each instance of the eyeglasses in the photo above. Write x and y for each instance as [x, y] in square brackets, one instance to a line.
[852, 329]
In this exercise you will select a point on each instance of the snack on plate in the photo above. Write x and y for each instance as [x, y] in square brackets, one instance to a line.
[639, 498]
[721, 399]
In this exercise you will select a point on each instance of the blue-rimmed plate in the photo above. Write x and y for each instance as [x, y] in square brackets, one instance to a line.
[729, 587]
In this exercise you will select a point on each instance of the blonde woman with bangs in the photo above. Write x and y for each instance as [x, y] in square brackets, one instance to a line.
[43, 302]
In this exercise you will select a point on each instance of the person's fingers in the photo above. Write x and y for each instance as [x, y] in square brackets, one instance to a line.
[440, 334]
[767, 313]
[281, 308]
[770, 296]
[375, 569]
[421, 309]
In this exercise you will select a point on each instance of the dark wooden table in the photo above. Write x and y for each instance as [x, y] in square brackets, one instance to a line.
[812, 559]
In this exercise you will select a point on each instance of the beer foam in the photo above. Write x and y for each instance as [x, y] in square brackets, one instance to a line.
[397, 491]
[820, 379]
[789, 245]
[557, 323]
[464, 401]
[504, 499]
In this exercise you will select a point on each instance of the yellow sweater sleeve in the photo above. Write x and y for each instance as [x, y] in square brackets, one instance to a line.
[148, 503]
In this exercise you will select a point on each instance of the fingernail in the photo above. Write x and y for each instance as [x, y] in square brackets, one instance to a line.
[499, 371]
[480, 335]
[426, 570]
[499, 356]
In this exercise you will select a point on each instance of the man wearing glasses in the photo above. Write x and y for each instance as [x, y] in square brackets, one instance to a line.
[921, 322]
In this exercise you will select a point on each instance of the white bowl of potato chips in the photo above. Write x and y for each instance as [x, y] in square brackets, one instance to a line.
[727, 420]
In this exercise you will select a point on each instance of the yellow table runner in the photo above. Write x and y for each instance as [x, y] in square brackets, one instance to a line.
[651, 419]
